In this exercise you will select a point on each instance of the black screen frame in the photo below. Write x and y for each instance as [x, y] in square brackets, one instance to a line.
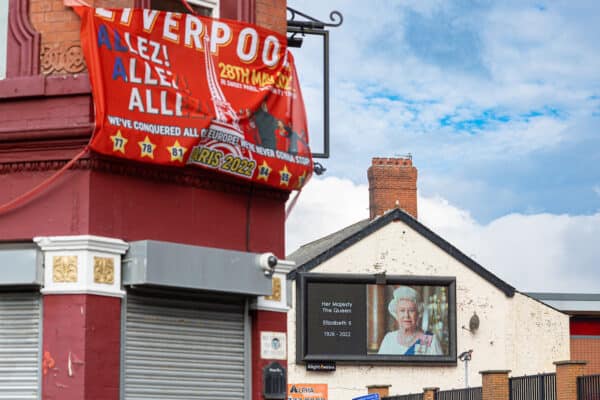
[302, 281]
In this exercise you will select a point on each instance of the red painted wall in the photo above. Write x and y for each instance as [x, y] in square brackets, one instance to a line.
[45, 121]
[264, 321]
[103, 348]
[585, 342]
[62, 209]
[46, 118]
[130, 208]
[81, 347]
[585, 326]
[136, 209]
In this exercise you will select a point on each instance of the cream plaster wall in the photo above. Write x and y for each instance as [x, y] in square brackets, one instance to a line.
[517, 333]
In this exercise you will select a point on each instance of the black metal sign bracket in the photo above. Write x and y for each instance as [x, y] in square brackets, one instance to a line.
[308, 25]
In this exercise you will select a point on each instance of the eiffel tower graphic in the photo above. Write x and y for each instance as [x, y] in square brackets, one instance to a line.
[226, 119]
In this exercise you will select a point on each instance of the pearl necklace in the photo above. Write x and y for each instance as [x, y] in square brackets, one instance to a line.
[406, 340]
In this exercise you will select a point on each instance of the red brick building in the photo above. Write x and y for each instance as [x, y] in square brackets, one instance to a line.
[121, 280]
[584, 310]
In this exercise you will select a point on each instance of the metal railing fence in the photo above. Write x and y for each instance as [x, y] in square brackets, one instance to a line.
[588, 387]
[414, 396]
[533, 387]
[474, 393]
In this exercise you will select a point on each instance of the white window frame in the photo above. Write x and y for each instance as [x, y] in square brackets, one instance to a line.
[4, 38]
[212, 4]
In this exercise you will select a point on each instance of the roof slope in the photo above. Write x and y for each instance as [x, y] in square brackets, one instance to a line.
[308, 251]
[315, 253]
[570, 303]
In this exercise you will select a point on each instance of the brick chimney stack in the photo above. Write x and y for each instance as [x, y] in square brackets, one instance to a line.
[392, 184]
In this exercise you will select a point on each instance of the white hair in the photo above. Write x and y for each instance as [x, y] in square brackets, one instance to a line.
[405, 293]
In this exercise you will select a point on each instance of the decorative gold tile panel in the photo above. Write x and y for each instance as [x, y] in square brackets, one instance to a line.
[276, 292]
[64, 269]
[104, 270]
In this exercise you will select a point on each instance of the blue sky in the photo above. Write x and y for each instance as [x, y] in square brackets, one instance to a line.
[497, 101]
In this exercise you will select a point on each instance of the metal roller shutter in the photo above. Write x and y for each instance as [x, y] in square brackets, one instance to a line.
[184, 349]
[20, 321]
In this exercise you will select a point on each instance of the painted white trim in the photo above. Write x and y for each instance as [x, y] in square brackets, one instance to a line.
[585, 336]
[262, 307]
[3, 38]
[212, 4]
[119, 293]
[81, 242]
[282, 268]
[285, 266]
[85, 248]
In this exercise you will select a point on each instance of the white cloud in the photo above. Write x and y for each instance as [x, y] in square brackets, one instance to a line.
[325, 205]
[494, 100]
[541, 252]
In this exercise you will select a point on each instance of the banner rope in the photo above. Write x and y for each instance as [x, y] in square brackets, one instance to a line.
[292, 204]
[23, 198]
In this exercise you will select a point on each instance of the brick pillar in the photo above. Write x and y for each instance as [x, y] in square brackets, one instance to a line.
[383, 390]
[495, 384]
[82, 317]
[392, 184]
[566, 378]
[269, 321]
[429, 393]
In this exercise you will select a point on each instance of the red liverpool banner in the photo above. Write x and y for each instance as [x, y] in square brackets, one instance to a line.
[179, 89]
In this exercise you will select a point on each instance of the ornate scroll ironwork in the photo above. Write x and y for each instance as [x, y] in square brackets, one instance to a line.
[336, 18]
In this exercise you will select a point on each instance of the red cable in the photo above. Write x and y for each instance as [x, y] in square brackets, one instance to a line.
[289, 209]
[22, 199]
[189, 8]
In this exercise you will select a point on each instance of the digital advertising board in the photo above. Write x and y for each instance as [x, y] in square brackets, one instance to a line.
[376, 319]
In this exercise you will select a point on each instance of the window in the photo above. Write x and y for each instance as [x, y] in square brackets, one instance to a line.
[3, 37]
[207, 8]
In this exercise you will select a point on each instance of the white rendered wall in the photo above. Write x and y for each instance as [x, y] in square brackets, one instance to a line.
[518, 333]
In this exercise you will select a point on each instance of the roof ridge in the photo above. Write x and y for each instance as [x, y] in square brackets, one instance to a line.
[379, 222]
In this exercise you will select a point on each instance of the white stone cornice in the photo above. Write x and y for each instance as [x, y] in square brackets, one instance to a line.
[285, 266]
[82, 242]
[85, 264]
[279, 298]
[115, 293]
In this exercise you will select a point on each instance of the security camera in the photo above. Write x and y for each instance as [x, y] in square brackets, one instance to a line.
[267, 262]
[319, 168]
[465, 355]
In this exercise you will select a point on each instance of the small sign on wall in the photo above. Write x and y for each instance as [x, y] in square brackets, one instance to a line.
[320, 366]
[273, 345]
[307, 391]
